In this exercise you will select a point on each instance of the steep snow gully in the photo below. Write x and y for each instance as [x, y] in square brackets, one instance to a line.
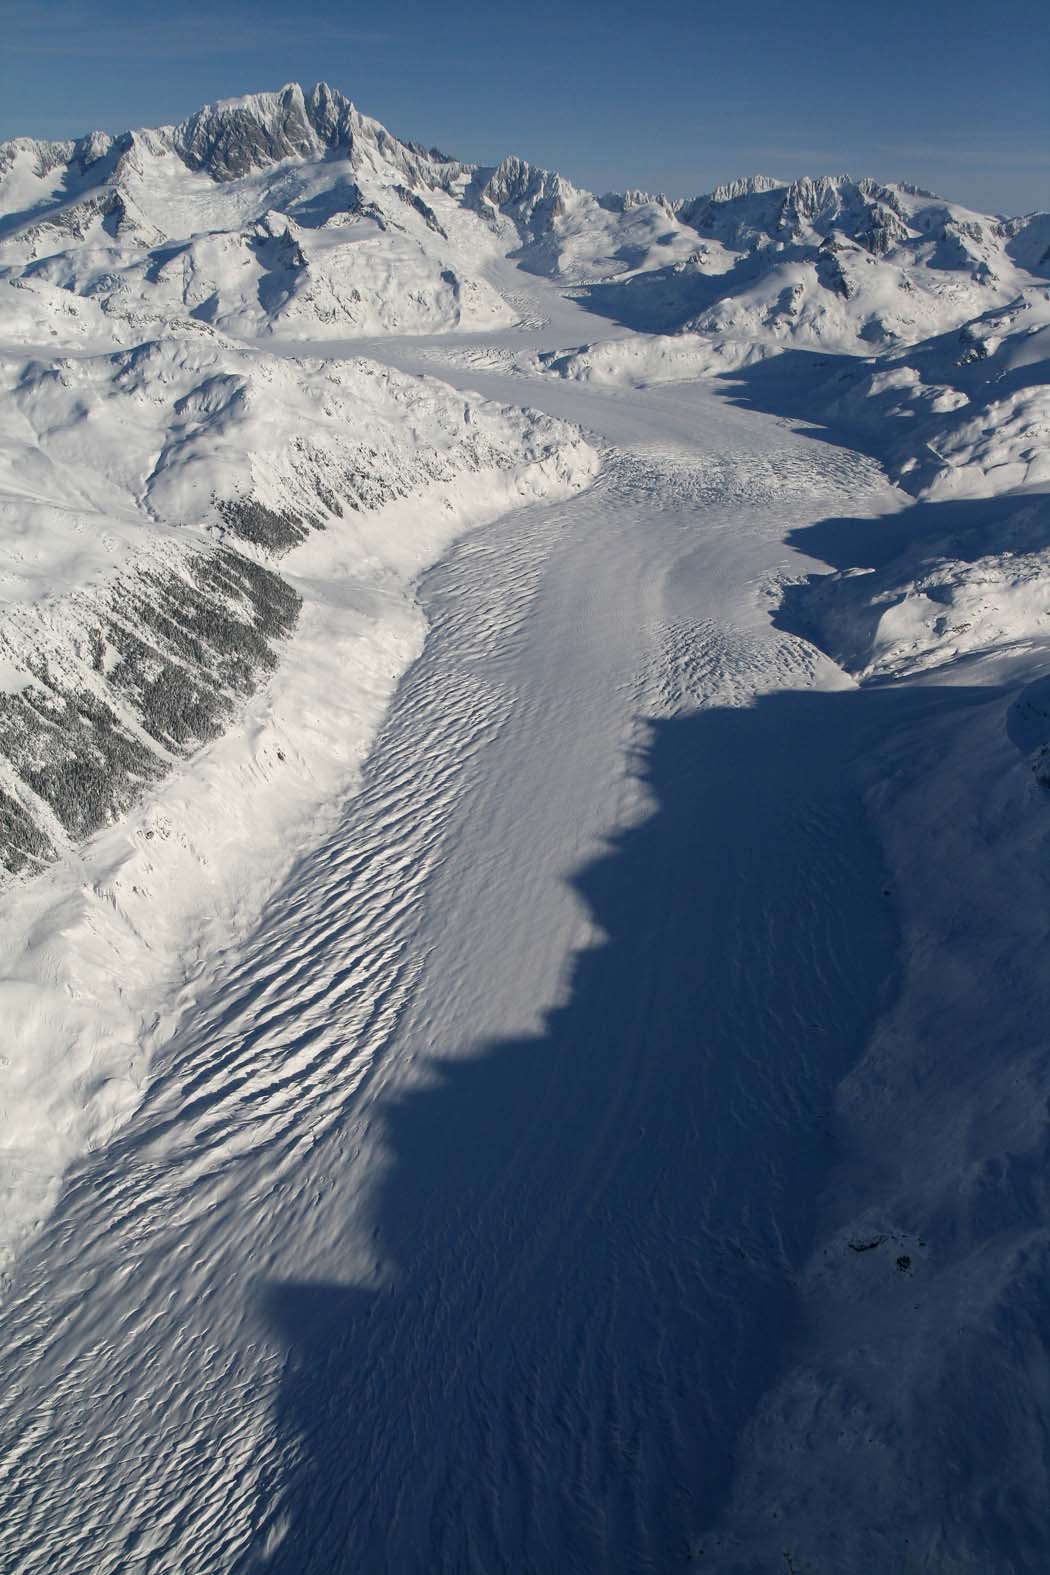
[469, 1220]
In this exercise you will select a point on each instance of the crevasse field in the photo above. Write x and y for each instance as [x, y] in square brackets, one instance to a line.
[524, 771]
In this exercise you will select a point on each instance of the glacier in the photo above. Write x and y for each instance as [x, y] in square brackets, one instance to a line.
[523, 761]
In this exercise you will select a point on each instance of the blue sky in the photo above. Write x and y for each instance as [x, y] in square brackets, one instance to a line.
[670, 95]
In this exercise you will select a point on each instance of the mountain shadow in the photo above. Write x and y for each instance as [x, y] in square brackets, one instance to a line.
[595, 1230]
[877, 562]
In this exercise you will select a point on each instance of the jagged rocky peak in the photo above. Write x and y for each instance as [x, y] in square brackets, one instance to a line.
[99, 158]
[816, 203]
[68, 208]
[91, 148]
[519, 185]
[759, 211]
[746, 186]
[234, 137]
[45, 156]
[625, 201]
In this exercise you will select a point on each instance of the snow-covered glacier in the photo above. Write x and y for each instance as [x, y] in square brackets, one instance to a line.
[523, 761]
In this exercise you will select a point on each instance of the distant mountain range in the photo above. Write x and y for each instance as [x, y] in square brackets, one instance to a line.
[292, 213]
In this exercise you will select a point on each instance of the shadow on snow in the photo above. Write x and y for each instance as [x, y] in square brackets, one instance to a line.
[593, 1232]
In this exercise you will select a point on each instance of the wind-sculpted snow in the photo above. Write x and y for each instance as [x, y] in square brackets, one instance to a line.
[174, 707]
[418, 1196]
[608, 1129]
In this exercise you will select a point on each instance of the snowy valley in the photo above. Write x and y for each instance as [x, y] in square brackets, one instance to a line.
[523, 830]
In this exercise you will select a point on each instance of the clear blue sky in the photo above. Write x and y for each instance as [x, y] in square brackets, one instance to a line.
[671, 95]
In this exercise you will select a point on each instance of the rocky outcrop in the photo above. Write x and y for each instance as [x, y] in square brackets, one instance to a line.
[124, 682]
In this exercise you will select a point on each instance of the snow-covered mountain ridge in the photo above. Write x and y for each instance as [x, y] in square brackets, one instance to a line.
[292, 212]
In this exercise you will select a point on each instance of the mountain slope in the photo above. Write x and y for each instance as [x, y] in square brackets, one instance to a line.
[147, 494]
[833, 264]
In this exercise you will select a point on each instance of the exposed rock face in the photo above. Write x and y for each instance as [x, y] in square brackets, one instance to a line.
[235, 137]
[231, 140]
[425, 211]
[533, 197]
[152, 669]
[885, 230]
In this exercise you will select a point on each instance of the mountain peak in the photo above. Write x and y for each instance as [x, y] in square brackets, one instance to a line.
[235, 136]
[745, 186]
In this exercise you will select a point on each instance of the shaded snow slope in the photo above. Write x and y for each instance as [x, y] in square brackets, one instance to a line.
[940, 582]
[964, 413]
[444, 1125]
[627, 1122]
